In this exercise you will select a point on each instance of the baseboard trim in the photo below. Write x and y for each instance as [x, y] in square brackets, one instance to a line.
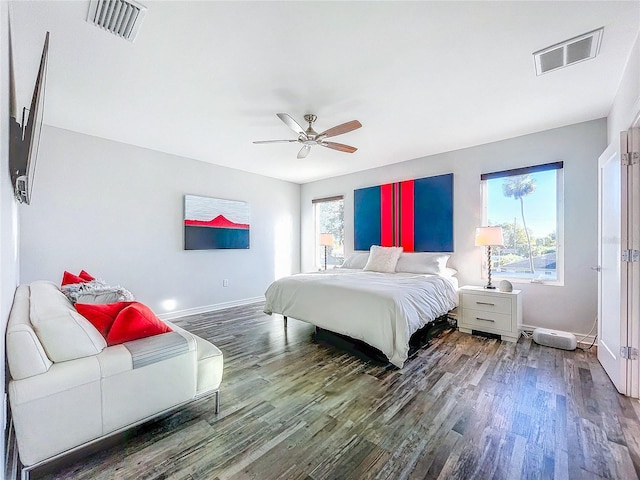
[582, 339]
[209, 308]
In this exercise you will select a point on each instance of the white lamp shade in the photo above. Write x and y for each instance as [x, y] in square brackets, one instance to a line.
[326, 239]
[489, 236]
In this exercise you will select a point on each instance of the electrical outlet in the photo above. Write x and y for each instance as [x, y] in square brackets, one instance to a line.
[225, 282]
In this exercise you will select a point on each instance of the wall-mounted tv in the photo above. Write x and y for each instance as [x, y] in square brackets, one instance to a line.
[25, 135]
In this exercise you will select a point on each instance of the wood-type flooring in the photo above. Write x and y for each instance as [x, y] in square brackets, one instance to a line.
[463, 407]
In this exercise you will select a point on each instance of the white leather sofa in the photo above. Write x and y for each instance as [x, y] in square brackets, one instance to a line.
[68, 388]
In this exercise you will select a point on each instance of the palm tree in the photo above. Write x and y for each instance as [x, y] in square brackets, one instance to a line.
[520, 186]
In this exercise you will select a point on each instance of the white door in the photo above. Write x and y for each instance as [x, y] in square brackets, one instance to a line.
[612, 315]
[633, 267]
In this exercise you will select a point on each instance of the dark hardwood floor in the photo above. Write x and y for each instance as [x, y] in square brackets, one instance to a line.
[464, 407]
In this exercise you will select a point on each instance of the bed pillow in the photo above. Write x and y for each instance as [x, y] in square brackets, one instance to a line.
[423, 262]
[356, 260]
[382, 259]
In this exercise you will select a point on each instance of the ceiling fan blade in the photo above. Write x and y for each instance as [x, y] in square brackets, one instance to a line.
[274, 141]
[339, 146]
[304, 151]
[291, 123]
[340, 129]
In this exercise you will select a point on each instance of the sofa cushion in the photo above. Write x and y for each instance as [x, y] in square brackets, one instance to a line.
[63, 332]
[133, 322]
[25, 354]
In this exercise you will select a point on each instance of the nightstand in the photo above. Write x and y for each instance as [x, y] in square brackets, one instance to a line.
[490, 311]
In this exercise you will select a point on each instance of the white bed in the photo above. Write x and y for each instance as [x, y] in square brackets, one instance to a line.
[380, 309]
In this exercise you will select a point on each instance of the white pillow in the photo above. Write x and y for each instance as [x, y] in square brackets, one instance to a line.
[423, 262]
[382, 259]
[356, 260]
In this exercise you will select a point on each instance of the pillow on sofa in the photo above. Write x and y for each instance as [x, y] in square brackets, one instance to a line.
[133, 322]
[123, 321]
[70, 278]
[423, 262]
[96, 291]
[382, 259]
[101, 316]
[86, 276]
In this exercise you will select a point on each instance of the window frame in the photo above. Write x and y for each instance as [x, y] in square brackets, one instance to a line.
[318, 250]
[559, 168]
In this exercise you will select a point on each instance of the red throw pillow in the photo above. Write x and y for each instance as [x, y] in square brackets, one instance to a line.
[87, 277]
[102, 315]
[68, 278]
[133, 322]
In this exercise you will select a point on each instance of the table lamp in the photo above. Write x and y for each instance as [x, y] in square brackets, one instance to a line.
[326, 240]
[489, 237]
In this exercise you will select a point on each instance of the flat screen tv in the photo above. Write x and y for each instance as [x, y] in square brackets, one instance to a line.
[25, 136]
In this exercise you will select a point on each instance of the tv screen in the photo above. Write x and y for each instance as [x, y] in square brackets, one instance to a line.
[25, 139]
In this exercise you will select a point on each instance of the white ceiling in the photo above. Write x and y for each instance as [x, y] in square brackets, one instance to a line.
[205, 79]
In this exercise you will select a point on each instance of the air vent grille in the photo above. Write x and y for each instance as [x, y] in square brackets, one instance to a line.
[122, 18]
[563, 54]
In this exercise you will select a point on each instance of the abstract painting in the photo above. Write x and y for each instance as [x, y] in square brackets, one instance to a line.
[211, 223]
[415, 214]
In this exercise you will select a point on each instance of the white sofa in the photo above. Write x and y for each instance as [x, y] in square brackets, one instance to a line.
[68, 388]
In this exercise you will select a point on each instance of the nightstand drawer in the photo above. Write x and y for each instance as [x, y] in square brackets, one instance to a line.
[486, 320]
[487, 303]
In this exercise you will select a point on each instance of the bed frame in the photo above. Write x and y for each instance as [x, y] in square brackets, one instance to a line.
[366, 352]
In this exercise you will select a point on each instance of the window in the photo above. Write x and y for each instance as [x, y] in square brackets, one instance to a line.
[527, 204]
[328, 217]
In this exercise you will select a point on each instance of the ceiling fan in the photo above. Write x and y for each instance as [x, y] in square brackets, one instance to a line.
[310, 137]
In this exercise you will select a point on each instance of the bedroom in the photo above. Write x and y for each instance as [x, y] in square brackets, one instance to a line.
[112, 204]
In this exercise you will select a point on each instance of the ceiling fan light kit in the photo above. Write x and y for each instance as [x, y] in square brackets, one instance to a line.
[309, 137]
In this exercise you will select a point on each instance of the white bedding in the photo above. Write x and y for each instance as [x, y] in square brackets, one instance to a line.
[381, 309]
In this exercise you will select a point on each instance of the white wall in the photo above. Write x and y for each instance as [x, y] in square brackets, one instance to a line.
[117, 211]
[8, 210]
[626, 105]
[571, 307]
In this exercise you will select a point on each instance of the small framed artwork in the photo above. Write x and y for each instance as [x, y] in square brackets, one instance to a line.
[212, 223]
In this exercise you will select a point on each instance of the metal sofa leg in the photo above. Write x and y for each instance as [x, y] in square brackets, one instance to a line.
[285, 321]
[217, 402]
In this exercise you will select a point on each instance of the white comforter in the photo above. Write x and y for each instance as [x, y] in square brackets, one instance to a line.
[381, 309]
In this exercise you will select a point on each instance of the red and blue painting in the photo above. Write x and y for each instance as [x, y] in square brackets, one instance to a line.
[211, 223]
[414, 214]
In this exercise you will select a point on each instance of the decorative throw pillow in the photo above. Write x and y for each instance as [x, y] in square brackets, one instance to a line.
[101, 316]
[133, 322]
[356, 260]
[86, 276]
[382, 259]
[70, 278]
[96, 291]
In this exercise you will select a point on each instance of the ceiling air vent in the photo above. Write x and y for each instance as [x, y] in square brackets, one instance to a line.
[563, 54]
[117, 16]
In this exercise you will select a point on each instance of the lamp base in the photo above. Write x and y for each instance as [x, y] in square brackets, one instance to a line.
[490, 287]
